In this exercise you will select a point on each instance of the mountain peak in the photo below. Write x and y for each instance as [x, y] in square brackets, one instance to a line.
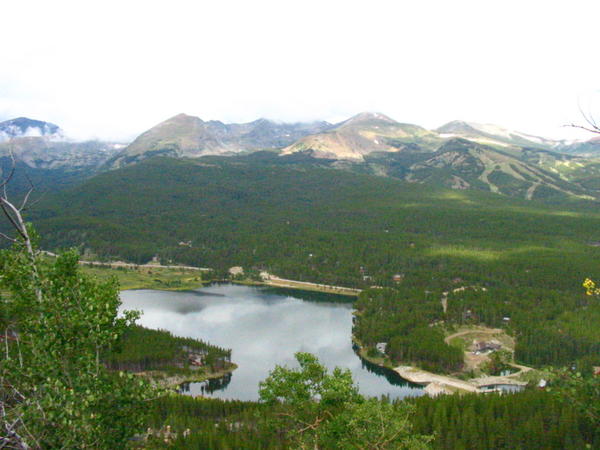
[262, 123]
[25, 127]
[183, 117]
[362, 134]
[369, 117]
[456, 126]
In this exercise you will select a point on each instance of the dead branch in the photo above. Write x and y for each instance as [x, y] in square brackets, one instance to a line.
[29, 191]
[592, 125]
[14, 216]
[6, 180]
[589, 119]
[6, 207]
[591, 129]
[8, 238]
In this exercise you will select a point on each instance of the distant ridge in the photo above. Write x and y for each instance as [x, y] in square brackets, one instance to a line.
[190, 136]
[42, 145]
[495, 135]
[362, 134]
[185, 136]
[463, 164]
[25, 127]
[459, 154]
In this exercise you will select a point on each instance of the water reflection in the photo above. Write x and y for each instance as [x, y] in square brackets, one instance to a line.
[309, 295]
[263, 327]
[390, 375]
[207, 387]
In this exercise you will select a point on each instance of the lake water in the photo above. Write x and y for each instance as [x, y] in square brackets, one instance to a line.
[263, 327]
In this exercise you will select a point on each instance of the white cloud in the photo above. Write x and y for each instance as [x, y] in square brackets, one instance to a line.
[113, 69]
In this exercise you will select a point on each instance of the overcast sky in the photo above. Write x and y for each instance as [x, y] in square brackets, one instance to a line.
[112, 69]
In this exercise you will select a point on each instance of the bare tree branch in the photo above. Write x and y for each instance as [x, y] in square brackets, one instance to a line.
[29, 191]
[592, 125]
[14, 216]
[29, 204]
[4, 204]
[592, 129]
[6, 180]
[8, 238]
[589, 119]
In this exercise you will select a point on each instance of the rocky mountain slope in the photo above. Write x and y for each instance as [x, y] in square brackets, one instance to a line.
[460, 155]
[494, 135]
[464, 164]
[46, 153]
[189, 136]
[361, 135]
[45, 157]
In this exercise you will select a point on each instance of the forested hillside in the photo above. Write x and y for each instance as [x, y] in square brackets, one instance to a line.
[532, 420]
[322, 225]
[552, 327]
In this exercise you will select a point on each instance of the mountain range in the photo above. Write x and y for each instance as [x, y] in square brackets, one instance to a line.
[459, 155]
[191, 137]
[351, 139]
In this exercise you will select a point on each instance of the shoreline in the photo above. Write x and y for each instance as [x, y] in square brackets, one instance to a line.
[274, 281]
[142, 287]
[155, 283]
[166, 380]
[299, 287]
[125, 265]
[435, 384]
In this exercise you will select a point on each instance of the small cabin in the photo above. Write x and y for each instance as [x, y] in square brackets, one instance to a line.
[381, 347]
[397, 278]
[264, 275]
[486, 346]
[196, 359]
[236, 270]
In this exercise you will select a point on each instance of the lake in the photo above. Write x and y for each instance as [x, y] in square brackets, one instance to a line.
[264, 327]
